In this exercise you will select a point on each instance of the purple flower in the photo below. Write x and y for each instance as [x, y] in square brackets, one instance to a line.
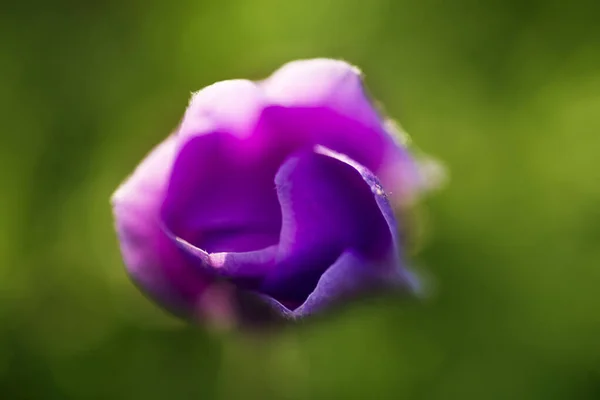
[269, 196]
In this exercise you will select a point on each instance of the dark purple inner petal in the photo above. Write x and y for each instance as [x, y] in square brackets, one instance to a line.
[327, 208]
[220, 201]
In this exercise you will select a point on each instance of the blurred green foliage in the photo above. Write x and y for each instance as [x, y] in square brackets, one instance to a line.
[506, 93]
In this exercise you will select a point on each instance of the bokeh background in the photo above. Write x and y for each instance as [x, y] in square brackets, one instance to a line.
[505, 93]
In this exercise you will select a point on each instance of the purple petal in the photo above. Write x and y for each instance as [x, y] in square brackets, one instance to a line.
[329, 205]
[218, 200]
[325, 100]
[152, 260]
[349, 275]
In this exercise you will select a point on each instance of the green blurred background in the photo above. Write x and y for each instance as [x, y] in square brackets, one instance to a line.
[505, 93]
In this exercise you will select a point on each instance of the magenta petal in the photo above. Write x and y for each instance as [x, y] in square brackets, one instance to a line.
[150, 257]
[325, 100]
[323, 126]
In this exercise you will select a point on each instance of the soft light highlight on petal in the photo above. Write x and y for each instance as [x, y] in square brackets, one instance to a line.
[322, 82]
[231, 106]
[326, 99]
